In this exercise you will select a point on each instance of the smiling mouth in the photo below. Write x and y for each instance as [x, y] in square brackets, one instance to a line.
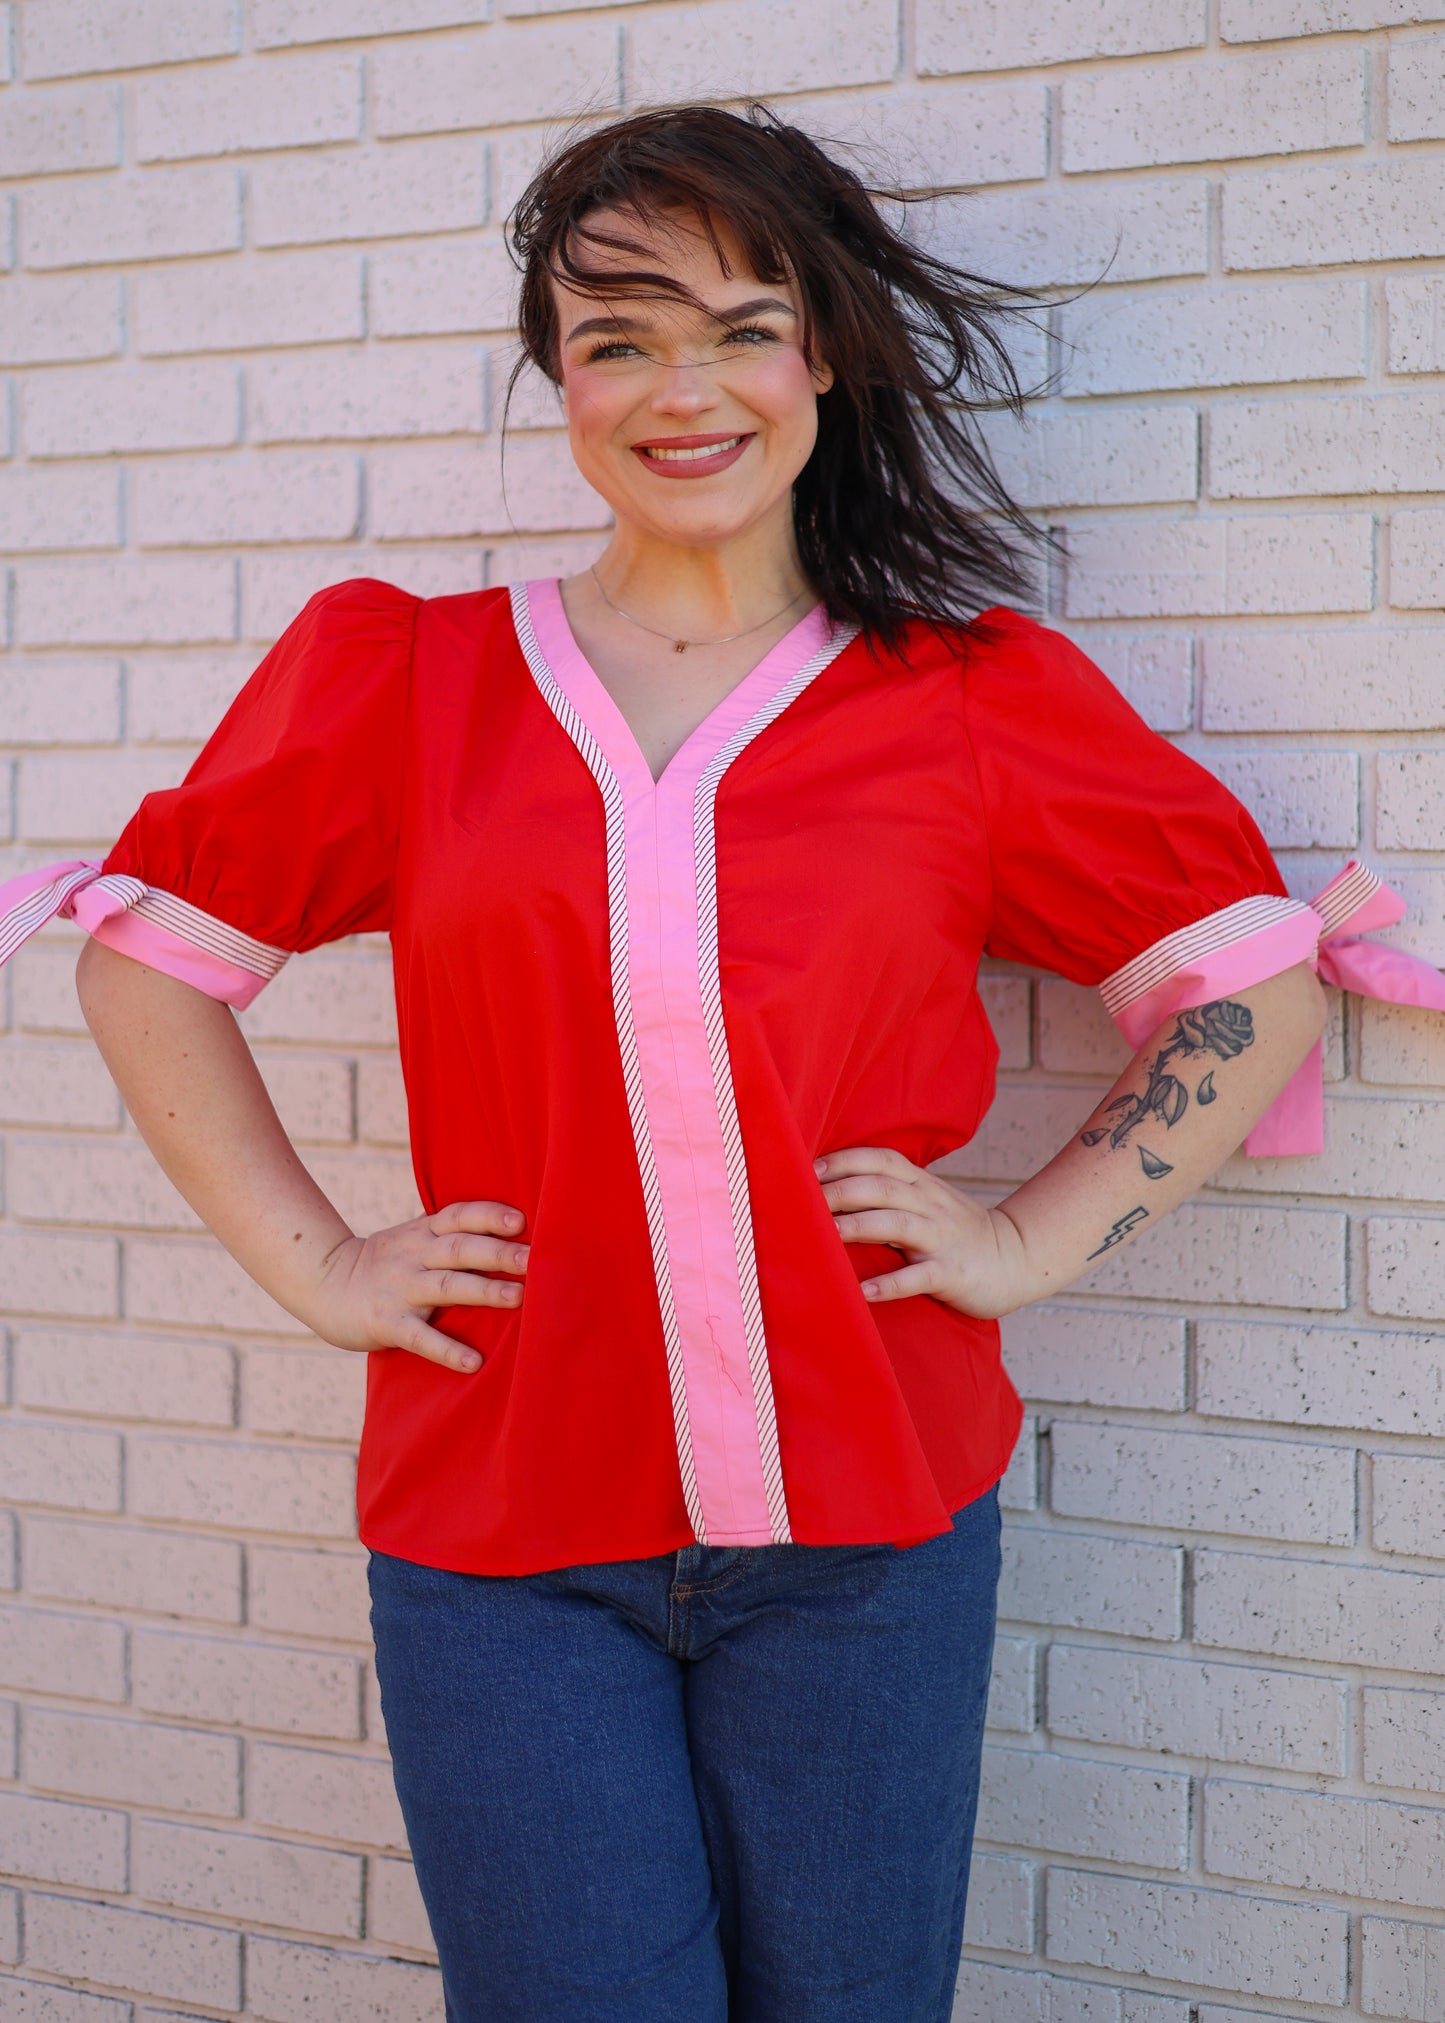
[671, 456]
[692, 456]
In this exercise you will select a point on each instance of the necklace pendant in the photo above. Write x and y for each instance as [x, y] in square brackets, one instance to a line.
[679, 646]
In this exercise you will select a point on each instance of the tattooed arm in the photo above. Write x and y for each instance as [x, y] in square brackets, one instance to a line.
[1185, 1101]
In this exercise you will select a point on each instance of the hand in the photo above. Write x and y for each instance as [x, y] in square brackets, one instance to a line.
[380, 1291]
[969, 1257]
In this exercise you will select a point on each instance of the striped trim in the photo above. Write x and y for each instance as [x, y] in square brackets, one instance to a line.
[28, 915]
[1182, 949]
[611, 793]
[705, 853]
[203, 930]
[1345, 895]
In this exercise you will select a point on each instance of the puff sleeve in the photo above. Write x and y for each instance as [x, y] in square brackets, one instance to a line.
[283, 834]
[1116, 860]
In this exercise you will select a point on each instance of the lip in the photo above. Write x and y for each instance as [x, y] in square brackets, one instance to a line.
[731, 443]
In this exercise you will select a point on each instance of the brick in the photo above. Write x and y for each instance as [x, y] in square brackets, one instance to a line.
[59, 1085]
[1415, 307]
[10, 1739]
[322, 1794]
[300, 1591]
[1079, 1582]
[1134, 1475]
[1399, 1043]
[80, 1656]
[426, 493]
[1416, 81]
[241, 305]
[1199, 1938]
[1335, 214]
[1232, 336]
[1407, 1510]
[163, 1573]
[1001, 1912]
[51, 133]
[88, 797]
[1278, 449]
[1404, 1738]
[1221, 567]
[1076, 1034]
[137, 601]
[46, 1841]
[113, 1376]
[414, 187]
[313, 1097]
[340, 1000]
[273, 1882]
[242, 1485]
[372, 1191]
[1417, 571]
[295, 1984]
[278, 24]
[42, 508]
[1305, 1376]
[56, 702]
[1153, 113]
[1403, 1969]
[165, 215]
[43, 2002]
[274, 587]
[52, 318]
[1272, 1257]
[1111, 456]
[1013, 1686]
[447, 289]
[1084, 1356]
[42, 987]
[66, 38]
[99, 411]
[1107, 1811]
[418, 390]
[1405, 1267]
[321, 1393]
[949, 137]
[1346, 1846]
[953, 35]
[1182, 1707]
[73, 1276]
[1136, 232]
[1018, 1489]
[192, 1283]
[253, 1685]
[518, 561]
[66, 1467]
[292, 102]
[1327, 681]
[1372, 1146]
[1264, 20]
[1302, 800]
[179, 698]
[1153, 671]
[672, 52]
[9, 1926]
[1295, 1608]
[1006, 1001]
[495, 79]
[395, 1913]
[283, 496]
[132, 1762]
[133, 1949]
[1006, 1995]
[1409, 786]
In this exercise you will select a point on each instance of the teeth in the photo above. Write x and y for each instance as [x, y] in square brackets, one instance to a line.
[691, 456]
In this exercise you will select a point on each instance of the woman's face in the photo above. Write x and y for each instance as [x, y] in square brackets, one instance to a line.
[692, 425]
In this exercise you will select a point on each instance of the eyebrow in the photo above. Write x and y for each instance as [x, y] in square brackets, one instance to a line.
[593, 324]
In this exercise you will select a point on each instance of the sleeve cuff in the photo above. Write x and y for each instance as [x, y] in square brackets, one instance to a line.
[1229, 950]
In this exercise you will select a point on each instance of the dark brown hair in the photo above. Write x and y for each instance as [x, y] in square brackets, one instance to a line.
[899, 510]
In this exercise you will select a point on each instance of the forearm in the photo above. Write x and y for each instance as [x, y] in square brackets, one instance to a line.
[191, 1085]
[1185, 1101]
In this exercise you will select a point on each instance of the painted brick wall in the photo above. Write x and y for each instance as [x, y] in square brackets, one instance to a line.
[253, 315]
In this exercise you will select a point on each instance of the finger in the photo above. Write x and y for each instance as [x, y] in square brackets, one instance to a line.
[887, 1225]
[466, 1289]
[419, 1339]
[866, 1159]
[906, 1283]
[868, 1190]
[482, 1218]
[463, 1252]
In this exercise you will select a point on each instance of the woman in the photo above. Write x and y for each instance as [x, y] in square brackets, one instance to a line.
[685, 1409]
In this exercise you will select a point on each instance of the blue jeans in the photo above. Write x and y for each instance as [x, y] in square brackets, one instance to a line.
[722, 1783]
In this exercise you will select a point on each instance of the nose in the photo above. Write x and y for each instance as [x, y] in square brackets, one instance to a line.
[683, 389]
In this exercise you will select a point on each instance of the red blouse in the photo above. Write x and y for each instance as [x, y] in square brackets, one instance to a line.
[638, 1011]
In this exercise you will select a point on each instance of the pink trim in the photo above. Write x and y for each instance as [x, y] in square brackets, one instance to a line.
[158, 948]
[672, 1010]
[1234, 964]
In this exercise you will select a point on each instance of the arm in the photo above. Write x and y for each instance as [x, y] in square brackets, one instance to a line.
[188, 1079]
[1185, 1101]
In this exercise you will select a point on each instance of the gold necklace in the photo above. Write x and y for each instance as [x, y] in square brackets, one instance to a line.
[681, 645]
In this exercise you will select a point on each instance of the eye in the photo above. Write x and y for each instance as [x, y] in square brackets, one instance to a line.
[612, 347]
[749, 333]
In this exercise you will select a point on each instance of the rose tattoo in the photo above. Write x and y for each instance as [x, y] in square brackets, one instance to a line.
[1222, 1028]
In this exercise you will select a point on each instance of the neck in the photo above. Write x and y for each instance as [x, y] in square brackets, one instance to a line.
[703, 593]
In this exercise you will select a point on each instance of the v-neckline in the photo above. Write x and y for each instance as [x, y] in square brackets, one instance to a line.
[594, 703]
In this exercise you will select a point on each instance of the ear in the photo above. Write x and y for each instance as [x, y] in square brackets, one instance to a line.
[823, 375]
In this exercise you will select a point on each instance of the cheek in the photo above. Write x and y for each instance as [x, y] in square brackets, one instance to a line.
[596, 407]
[781, 391]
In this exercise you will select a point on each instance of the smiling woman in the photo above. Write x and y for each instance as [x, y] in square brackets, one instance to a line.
[683, 1559]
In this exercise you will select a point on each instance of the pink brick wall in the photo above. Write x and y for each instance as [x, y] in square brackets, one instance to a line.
[253, 327]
